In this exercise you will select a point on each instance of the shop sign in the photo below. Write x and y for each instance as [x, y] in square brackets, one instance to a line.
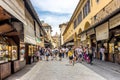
[90, 32]
[115, 21]
[102, 32]
[70, 44]
[83, 36]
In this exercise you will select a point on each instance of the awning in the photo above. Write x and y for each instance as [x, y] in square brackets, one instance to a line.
[102, 32]
[29, 39]
[90, 32]
[13, 7]
[115, 21]
[5, 28]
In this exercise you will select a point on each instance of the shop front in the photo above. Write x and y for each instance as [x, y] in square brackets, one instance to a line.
[30, 49]
[5, 56]
[30, 43]
[102, 37]
[92, 40]
[9, 54]
[84, 40]
[8, 46]
[114, 42]
[22, 58]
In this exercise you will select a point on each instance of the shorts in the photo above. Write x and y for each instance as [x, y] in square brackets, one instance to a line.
[71, 57]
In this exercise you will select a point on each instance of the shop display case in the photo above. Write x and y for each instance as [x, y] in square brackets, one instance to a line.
[111, 52]
[14, 53]
[22, 56]
[4, 55]
[118, 60]
[30, 50]
[22, 53]
[30, 53]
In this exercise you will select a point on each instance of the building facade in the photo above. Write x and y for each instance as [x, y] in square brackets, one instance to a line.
[20, 30]
[62, 29]
[48, 30]
[56, 40]
[93, 23]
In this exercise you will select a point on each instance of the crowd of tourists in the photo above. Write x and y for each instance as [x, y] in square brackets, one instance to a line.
[76, 54]
[51, 54]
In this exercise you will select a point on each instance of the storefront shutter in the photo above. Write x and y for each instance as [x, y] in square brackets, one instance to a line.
[102, 32]
[115, 21]
[29, 34]
[15, 8]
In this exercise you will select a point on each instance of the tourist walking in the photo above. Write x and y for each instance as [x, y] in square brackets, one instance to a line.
[66, 51]
[47, 54]
[60, 54]
[79, 51]
[90, 53]
[70, 55]
[102, 53]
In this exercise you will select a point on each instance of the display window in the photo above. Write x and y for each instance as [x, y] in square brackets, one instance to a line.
[22, 52]
[10, 52]
[111, 48]
[30, 51]
[4, 54]
[4, 57]
[35, 49]
[13, 50]
[14, 53]
[106, 47]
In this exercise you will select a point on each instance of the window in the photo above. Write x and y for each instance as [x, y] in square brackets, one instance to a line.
[95, 17]
[86, 9]
[75, 23]
[97, 1]
[22, 52]
[80, 17]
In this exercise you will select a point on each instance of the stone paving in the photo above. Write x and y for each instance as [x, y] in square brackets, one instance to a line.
[109, 70]
[56, 70]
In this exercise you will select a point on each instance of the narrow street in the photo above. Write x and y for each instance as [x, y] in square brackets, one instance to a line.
[61, 70]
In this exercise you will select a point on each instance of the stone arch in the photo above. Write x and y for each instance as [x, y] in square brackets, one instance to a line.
[80, 30]
[87, 25]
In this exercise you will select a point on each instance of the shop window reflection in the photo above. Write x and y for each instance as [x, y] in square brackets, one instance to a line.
[14, 53]
[22, 53]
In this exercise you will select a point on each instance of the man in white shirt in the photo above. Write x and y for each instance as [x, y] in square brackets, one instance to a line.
[79, 51]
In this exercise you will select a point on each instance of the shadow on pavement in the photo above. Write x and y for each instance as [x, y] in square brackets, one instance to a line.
[108, 70]
[21, 73]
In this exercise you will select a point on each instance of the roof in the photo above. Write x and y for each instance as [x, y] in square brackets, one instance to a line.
[63, 24]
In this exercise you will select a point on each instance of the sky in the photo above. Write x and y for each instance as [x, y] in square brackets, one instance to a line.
[55, 12]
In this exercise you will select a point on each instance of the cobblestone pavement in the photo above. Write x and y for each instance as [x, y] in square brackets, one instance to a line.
[57, 70]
